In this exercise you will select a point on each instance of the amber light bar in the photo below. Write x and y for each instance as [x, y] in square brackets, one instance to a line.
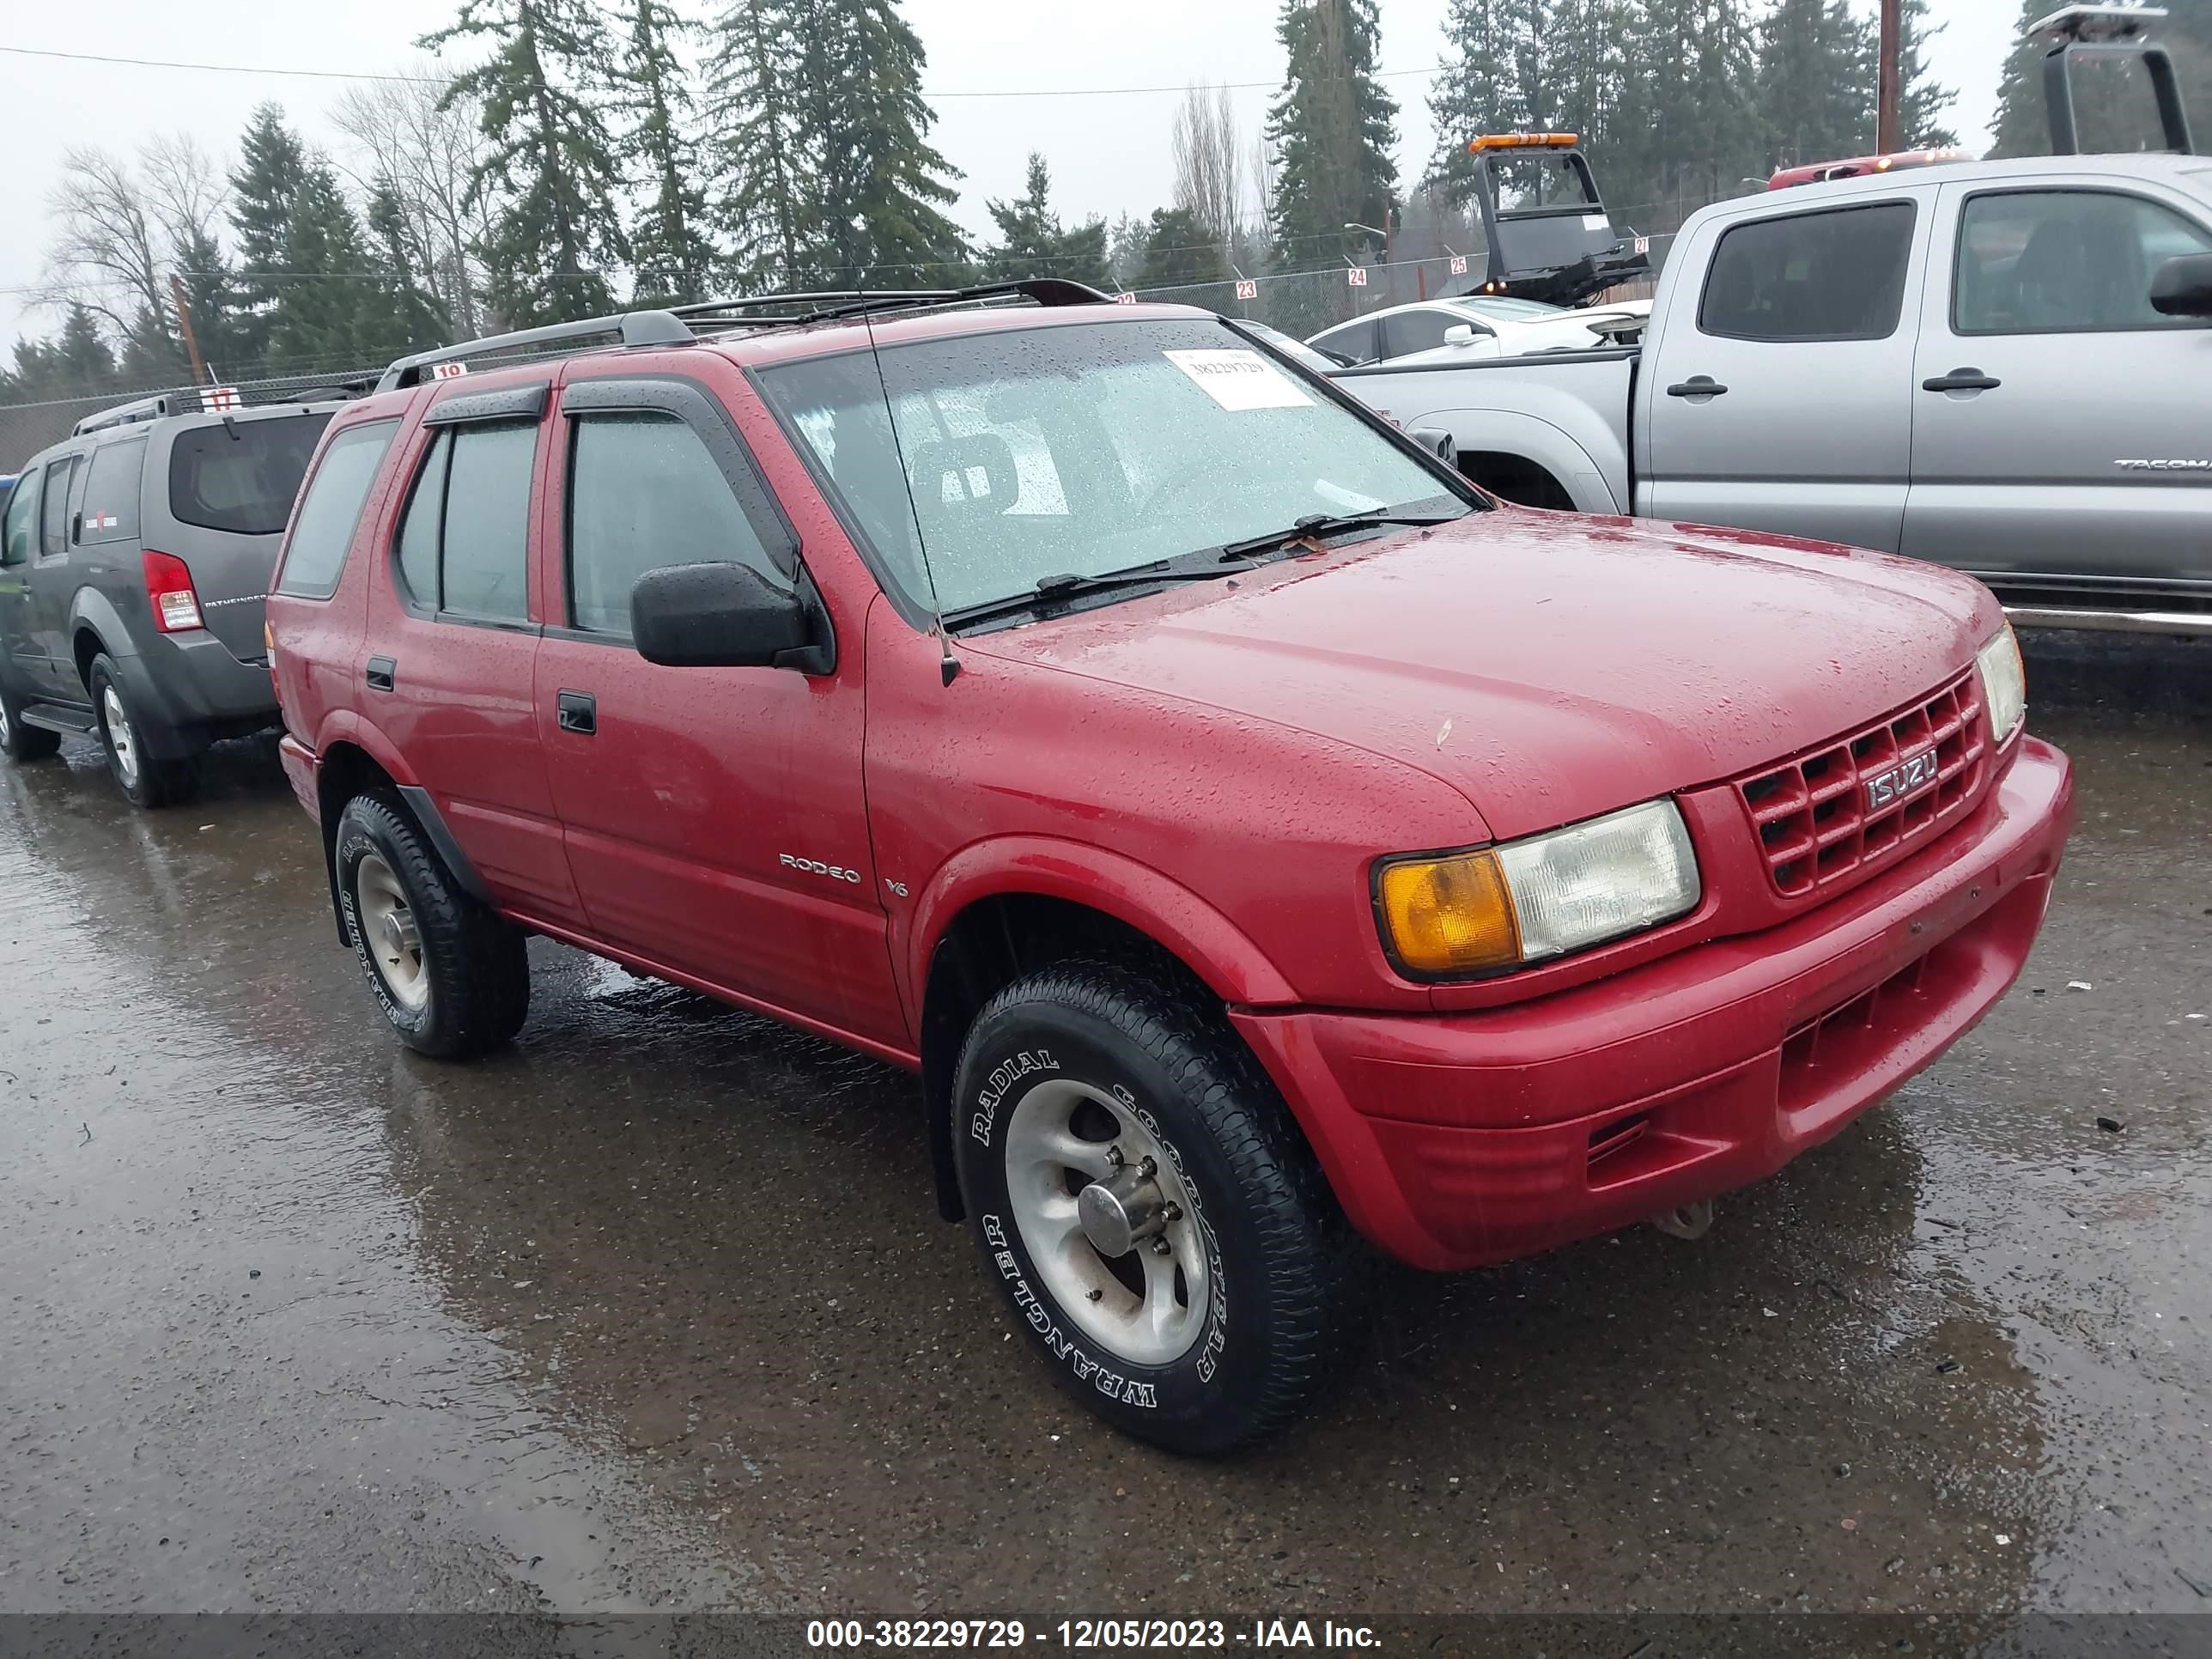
[1522, 141]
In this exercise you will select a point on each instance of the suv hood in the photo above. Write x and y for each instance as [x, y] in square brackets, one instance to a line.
[1550, 667]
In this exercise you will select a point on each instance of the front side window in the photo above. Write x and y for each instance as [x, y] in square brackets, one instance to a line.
[643, 494]
[241, 476]
[483, 565]
[1080, 450]
[2065, 261]
[53, 535]
[23, 523]
[330, 510]
[110, 512]
[1838, 275]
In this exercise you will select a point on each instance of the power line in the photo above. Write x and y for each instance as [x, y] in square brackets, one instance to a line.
[439, 80]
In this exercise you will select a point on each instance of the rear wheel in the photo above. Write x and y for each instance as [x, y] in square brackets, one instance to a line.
[146, 778]
[1148, 1208]
[19, 742]
[451, 974]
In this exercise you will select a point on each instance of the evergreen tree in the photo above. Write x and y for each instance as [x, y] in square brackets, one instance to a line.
[1332, 128]
[398, 315]
[1031, 242]
[153, 353]
[212, 295]
[668, 239]
[766, 170]
[1476, 92]
[271, 169]
[879, 185]
[550, 166]
[1816, 82]
[80, 358]
[1126, 247]
[1921, 103]
[322, 300]
[1179, 253]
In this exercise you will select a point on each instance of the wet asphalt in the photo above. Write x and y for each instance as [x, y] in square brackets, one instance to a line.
[654, 1312]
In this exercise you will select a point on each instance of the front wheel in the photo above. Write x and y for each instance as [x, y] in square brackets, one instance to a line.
[19, 742]
[1150, 1211]
[452, 976]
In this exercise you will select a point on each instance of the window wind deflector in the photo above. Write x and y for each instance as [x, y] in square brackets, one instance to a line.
[508, 403]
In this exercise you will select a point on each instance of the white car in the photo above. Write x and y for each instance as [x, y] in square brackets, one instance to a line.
[1481, 325]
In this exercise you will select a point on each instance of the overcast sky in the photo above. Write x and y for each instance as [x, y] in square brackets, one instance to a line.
[1108, 154]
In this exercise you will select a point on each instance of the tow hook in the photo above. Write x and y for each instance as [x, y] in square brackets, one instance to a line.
[1686, 1220]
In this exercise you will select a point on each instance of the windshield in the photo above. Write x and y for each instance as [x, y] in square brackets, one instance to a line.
[1079, 449]
[1503, 310]
[240, 476]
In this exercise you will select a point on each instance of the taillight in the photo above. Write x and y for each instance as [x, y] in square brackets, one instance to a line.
[169, 586]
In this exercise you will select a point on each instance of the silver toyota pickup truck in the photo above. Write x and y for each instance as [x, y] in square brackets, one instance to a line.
[2002, 366]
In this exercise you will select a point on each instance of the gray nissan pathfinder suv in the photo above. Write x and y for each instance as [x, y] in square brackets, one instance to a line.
[136, 556]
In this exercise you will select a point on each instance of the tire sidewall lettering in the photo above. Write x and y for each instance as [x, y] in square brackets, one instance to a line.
[1186, 1386]
[354, 841]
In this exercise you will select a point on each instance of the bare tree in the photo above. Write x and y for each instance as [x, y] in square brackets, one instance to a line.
[425, 152]
[185, 189]
[108, 253]
[1209, 165]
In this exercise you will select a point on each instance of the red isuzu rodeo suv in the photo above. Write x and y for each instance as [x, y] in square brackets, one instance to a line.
[1258, 840]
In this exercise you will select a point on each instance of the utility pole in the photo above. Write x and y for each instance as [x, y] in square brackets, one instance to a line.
[185, 327]
[1886, 138]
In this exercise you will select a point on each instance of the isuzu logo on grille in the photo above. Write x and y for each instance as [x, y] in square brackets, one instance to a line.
[1912, 773]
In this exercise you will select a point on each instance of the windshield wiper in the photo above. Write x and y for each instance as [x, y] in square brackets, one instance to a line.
[1327, 524]
[1209, 566]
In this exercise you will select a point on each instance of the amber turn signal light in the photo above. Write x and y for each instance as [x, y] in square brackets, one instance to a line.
[1449, 915]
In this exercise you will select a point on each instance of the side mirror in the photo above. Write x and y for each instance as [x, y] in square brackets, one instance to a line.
[1460, 334]
[713, 615]
[1437, 442]
[2183, 287]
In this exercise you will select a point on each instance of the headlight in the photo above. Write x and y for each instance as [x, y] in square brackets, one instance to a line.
[1523, 901]
[2004, 682]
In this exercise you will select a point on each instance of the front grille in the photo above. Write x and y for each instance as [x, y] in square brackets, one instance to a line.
[1812, 814]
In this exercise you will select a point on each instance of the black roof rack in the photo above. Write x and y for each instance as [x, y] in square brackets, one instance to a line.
[679, 324]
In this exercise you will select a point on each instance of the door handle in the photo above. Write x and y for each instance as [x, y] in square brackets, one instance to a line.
[577, 712]
[380, 672]
[1697, 385]
[1962, 379]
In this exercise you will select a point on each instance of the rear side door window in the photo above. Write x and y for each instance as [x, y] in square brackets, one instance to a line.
[53, 522]
[110, 512]
[2065, 262]
[644, 493]
[330, 511]
[1415, 331]
[1836, 275]
[463, 546]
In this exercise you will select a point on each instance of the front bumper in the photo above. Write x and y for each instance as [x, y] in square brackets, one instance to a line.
[1458, 1139]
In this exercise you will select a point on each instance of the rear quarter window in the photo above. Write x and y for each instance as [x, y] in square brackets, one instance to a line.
[242, 477]
[330, 510]
[110, 512]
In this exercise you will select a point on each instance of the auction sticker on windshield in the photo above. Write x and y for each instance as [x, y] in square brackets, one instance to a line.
[1240, 379]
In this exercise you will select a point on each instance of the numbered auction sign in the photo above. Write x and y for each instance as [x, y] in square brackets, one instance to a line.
[1459, 265]
[1125, 299]
[1357, 276]
[447, 371]
[1247, 288]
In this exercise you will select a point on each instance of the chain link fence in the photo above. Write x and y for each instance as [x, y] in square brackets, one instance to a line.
[1299, 303]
